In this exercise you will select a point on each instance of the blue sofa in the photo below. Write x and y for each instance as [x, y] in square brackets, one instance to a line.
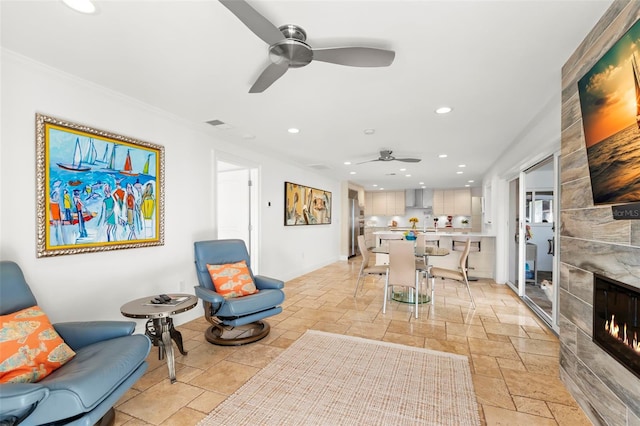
[109, 360]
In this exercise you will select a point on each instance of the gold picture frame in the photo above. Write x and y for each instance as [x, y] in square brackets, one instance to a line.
[96, 190]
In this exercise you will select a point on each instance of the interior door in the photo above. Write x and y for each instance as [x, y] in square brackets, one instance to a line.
[235, 201]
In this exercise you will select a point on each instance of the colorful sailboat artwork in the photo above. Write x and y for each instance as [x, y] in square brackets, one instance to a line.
[128, 168]
[92, 153]
[636, 78]
[145, 169]
[76, 165]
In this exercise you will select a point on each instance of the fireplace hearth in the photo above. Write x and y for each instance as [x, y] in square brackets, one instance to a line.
[616, 325]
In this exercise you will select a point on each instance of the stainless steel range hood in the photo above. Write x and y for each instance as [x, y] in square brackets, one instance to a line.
[419, 198]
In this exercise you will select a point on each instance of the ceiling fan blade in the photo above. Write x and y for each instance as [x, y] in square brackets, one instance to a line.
[257, 23]
[269, 76]
[355, 56]
[369, 161]
[409, 160]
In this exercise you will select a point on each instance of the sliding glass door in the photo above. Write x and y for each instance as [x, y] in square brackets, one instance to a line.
[533, 265]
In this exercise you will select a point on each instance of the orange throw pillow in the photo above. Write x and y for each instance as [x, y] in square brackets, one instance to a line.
[232, 279]
[30, 348]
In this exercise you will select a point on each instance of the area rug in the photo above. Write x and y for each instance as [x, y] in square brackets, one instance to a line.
[331, 379]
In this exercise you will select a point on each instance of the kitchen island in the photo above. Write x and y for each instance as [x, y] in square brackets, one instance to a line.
[481, 264]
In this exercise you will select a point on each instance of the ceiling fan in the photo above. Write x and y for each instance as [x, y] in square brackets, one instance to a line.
[385, 155]
[288, 47]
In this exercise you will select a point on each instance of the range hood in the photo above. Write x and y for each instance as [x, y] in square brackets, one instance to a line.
[419, 198]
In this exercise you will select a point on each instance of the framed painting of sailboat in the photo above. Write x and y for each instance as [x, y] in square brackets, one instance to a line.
[610, 108]
[96, 190]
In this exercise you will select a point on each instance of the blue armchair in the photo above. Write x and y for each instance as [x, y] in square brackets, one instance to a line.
[234, 321]
[108, 361]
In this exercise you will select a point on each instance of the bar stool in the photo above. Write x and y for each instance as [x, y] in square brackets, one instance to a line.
[459, 243]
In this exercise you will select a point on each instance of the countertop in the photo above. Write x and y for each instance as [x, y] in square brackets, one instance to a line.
[443, 233]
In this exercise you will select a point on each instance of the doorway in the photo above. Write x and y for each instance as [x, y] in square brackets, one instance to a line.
[533, 265]
[236, 201]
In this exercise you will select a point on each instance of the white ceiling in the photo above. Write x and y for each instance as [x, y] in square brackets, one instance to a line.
[497, 63]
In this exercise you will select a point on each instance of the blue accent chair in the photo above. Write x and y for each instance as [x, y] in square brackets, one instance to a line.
[234, 321]
[109, 360]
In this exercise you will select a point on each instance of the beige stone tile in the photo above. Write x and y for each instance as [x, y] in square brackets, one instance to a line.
[496, 416]
[447, 346]
[207, 401]
[536, 347]
[160, 401]
[467, 330]
[492, 391]
[511, 364]
[532, 406]
[496, 349]
[537, 386]
[568, 415]
[256, 355]
[184, 417]
[404, 339]
[224, 377]
[505, 329]
[540, 364]
[486, 365]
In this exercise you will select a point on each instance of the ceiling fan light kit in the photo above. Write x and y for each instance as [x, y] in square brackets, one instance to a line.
[288, 47]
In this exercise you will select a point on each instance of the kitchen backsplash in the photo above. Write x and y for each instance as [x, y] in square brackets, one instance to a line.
[424, 218]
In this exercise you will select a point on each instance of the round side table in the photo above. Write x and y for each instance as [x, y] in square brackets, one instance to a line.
[159, 327]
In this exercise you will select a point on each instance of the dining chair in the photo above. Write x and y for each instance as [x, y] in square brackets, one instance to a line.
[365, 269]
[401, 271]
[457, 244]
[458, 275]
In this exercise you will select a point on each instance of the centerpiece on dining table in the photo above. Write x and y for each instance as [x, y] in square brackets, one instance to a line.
[413, 233]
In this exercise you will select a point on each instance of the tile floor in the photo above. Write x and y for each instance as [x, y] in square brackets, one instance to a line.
[513, 355]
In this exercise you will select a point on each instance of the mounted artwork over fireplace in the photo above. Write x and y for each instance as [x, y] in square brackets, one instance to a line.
[610, 105]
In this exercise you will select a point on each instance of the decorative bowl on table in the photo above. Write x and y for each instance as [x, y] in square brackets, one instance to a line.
[410, 237]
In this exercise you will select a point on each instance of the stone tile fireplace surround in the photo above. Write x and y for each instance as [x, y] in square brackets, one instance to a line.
[593, 243]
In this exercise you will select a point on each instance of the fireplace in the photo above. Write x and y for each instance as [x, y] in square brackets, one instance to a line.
[615, 321]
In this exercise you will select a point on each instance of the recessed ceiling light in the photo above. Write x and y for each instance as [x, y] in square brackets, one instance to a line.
[82, 6]
[374, 185]
[420, 183]
[408, 175]
[470, 181]
[381, 189]
[443, 110]
[462, 165]
[347, 163]
[403, 170]
[369, 131]
[459, 173]
[293, 130]
[352, 173]
[467, 185]
[423, 187]
[442, 156]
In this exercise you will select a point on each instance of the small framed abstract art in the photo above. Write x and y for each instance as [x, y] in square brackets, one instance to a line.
[96, 190]
[306, 206]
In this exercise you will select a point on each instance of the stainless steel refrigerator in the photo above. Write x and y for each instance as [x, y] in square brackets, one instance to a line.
[355, 224]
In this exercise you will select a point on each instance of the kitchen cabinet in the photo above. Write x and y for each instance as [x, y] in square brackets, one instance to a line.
[384, 203]
[455, 202]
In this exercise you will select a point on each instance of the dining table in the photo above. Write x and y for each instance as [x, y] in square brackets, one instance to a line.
[423, 252]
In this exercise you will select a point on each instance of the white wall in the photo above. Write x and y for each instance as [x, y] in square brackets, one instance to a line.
[93, 286]
[540, 139]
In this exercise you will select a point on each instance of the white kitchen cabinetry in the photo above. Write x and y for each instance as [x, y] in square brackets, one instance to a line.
[452, 202]
[384, 203]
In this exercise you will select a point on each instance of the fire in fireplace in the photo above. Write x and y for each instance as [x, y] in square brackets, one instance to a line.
[616, 325]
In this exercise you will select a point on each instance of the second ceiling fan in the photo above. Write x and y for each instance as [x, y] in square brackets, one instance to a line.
[288, 47]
